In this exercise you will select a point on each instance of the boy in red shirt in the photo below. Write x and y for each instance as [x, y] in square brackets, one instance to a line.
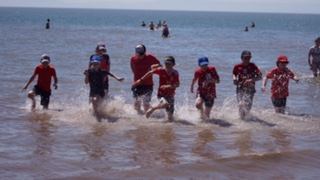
[280, 76]
[45, 72]
[245, 74]
[140, 64]
[168, 82]
[207, 78]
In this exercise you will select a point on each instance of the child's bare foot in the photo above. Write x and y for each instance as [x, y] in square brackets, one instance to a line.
[149, 112]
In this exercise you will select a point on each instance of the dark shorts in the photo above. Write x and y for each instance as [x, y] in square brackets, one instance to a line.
[315, 65]
[106, 85]
[145, 91]
[246, 97]
[45, 96]
[279, 102]
[170, 100]
[208, 102]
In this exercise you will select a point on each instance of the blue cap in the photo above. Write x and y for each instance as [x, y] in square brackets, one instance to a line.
[203, 60]
[95, 59]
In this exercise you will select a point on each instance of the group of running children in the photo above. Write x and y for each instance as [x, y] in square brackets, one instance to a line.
[144, 65]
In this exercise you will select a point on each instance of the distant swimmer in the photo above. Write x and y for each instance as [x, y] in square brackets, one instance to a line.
[48, 24]
[159, 25]
[314, 58]
[246, 29]
[151, 26]
[143, 24]
[253, 25]
[165, 31]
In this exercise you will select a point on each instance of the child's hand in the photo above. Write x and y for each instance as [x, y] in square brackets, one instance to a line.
[85, 72]
[121, 79]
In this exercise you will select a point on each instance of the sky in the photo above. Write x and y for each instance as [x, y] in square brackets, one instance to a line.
[272, 6]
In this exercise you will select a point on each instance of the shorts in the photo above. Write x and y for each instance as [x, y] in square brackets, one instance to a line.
[315, 65]
[170, 100]
[279, 102]
[208, 102]
[246, 97]
[106, 85]
[145, 91]
[45, 96]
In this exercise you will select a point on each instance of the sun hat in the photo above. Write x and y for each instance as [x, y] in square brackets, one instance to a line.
[203, 60]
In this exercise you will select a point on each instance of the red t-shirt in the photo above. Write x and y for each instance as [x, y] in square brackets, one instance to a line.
[243, 73]
[44, 77]
[208, 91]
[280, 82]
[141, 66]
[166, 79]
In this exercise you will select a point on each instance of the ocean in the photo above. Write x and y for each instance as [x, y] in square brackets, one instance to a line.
[67, 142]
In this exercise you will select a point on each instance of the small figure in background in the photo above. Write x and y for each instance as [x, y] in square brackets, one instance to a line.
[151, 26]
[314, 58]
[253, 25]
[48, 24]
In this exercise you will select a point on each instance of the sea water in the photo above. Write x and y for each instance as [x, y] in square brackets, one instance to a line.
[68, 142]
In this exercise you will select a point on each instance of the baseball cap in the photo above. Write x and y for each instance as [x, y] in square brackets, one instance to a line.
[95, 59]
[169, 60]
[245, 53]
[44, 58]
[283, 59]
[203, 60]
[101, 44]
[140, 49]
[102, 48]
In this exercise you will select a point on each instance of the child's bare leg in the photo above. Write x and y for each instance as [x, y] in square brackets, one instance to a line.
[31, 95]
[199, 106]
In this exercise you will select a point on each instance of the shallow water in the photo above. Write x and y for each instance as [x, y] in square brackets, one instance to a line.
[66, 142]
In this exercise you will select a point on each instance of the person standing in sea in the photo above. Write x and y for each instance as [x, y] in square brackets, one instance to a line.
[95, 77]
[168, 82]
[45, 73]
[245, 74]
[141, 63]
[207, 78]
[314, 58]
[280, 76]
[100, 51]
[48, 24]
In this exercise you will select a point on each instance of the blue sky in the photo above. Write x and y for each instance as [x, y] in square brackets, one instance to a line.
[279, 6]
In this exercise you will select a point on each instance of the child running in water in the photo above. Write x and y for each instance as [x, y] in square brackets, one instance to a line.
[207, 78]
[280, 76]
[96, 77]
[45, 73]
[168, 82]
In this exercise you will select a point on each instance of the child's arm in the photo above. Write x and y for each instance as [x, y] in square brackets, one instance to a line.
[264, 84]
[296, 79]
[194, 80]
[148, 74]
[86, 79]
[116, 77]
[30, 81]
